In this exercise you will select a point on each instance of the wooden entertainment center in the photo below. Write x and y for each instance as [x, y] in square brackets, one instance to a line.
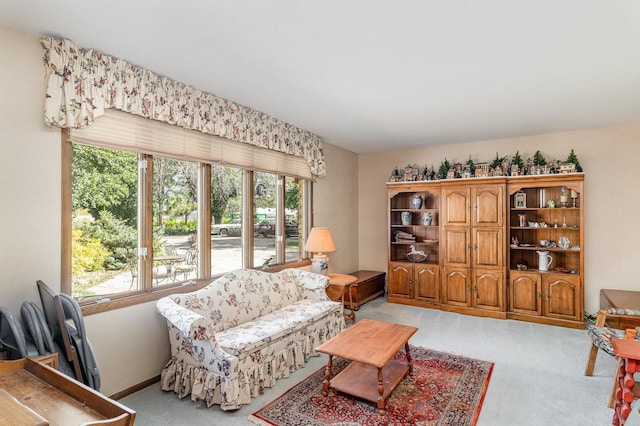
[485, 240]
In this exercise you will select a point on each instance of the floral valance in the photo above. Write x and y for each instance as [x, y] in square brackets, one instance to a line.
[82, 83]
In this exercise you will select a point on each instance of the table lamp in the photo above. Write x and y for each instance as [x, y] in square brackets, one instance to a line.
[320, 240]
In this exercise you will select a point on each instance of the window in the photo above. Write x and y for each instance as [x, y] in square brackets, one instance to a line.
[264, 216]
[226, 219]
[175, 221]
[138, 223]
[104, 234]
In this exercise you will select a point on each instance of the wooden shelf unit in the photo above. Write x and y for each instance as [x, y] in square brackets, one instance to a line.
[553, 296]
[408, 282]
[472, 266]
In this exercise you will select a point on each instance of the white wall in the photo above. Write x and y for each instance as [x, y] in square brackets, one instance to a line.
[610, 158]
[335, 204]
[29, 175]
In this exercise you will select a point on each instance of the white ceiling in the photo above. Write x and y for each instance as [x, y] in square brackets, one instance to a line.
[370, 75]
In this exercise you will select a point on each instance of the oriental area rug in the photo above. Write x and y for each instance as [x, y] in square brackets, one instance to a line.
[444, 389]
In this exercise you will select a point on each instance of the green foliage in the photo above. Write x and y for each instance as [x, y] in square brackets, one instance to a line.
[573, 158]
[538, 159]
[472, 166]
[292, 194]
[179, 227]
[517, 161]
[175, 187]
[116, 236]
[226, 183]
[88, 253]
[443, 169]
[104, 179]
[497, 161]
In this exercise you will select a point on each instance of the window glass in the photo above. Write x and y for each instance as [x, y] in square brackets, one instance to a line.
[135, 221]
[293, 200]
[264, 217]
[175, 220]
[104, 236]
[226, 219]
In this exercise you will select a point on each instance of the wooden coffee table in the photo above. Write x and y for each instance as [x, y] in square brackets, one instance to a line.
[373, 374]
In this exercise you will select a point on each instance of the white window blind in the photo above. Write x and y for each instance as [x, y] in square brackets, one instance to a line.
[121, 130]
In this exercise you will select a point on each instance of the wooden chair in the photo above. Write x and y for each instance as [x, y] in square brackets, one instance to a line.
[602, 333]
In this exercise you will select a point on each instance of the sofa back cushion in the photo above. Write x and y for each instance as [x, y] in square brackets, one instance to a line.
[241, 296]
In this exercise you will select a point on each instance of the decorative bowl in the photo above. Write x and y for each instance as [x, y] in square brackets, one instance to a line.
[415, 258]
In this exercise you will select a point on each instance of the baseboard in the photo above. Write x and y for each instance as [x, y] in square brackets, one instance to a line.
[135, 388]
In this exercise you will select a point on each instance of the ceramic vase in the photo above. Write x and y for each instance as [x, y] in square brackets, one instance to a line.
[416, 201]
[406, 218]
[426, 218]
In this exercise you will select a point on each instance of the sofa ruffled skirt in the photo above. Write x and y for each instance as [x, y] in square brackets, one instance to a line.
[186, 373]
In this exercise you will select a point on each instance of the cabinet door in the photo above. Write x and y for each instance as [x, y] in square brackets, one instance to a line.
[488, 289]
[457, 246]
[426, 280]
[457, 287]
[399, 280]
[456, 206]
[488, 247]
[488, 205]
[562, 296]
[525, 295]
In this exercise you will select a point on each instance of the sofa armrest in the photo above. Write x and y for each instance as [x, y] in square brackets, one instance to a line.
[310, 286]
[190, 323]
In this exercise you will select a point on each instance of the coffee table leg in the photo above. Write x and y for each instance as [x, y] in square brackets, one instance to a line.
[409, 360]
[327, 377]
[380, 392]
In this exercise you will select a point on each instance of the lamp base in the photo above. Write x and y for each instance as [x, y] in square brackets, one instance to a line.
[320, 264]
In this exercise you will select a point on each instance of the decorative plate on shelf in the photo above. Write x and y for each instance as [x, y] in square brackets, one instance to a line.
[430, 241]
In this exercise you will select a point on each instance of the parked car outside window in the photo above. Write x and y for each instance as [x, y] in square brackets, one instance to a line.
[266, 228]
[233, 227]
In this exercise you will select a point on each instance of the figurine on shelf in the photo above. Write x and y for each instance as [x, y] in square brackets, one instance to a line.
[564, 197]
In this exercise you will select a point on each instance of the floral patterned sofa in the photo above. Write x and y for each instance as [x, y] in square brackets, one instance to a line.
[248, 328]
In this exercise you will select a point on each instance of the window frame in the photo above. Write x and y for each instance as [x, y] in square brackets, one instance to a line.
[147, 292]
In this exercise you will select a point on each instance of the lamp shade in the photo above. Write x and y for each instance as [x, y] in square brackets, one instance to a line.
[319, 241]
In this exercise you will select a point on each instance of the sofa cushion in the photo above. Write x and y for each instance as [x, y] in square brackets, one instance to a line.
[254, 335]
[241, 296]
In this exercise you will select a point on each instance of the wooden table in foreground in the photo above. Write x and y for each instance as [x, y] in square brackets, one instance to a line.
[373, 374]
[36, 394]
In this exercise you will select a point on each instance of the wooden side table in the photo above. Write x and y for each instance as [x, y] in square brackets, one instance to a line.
[342, 283]
[626, 391]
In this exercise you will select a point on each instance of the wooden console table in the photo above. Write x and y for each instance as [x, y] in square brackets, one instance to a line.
[41, 395]
[368, 286]
[621, 299]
